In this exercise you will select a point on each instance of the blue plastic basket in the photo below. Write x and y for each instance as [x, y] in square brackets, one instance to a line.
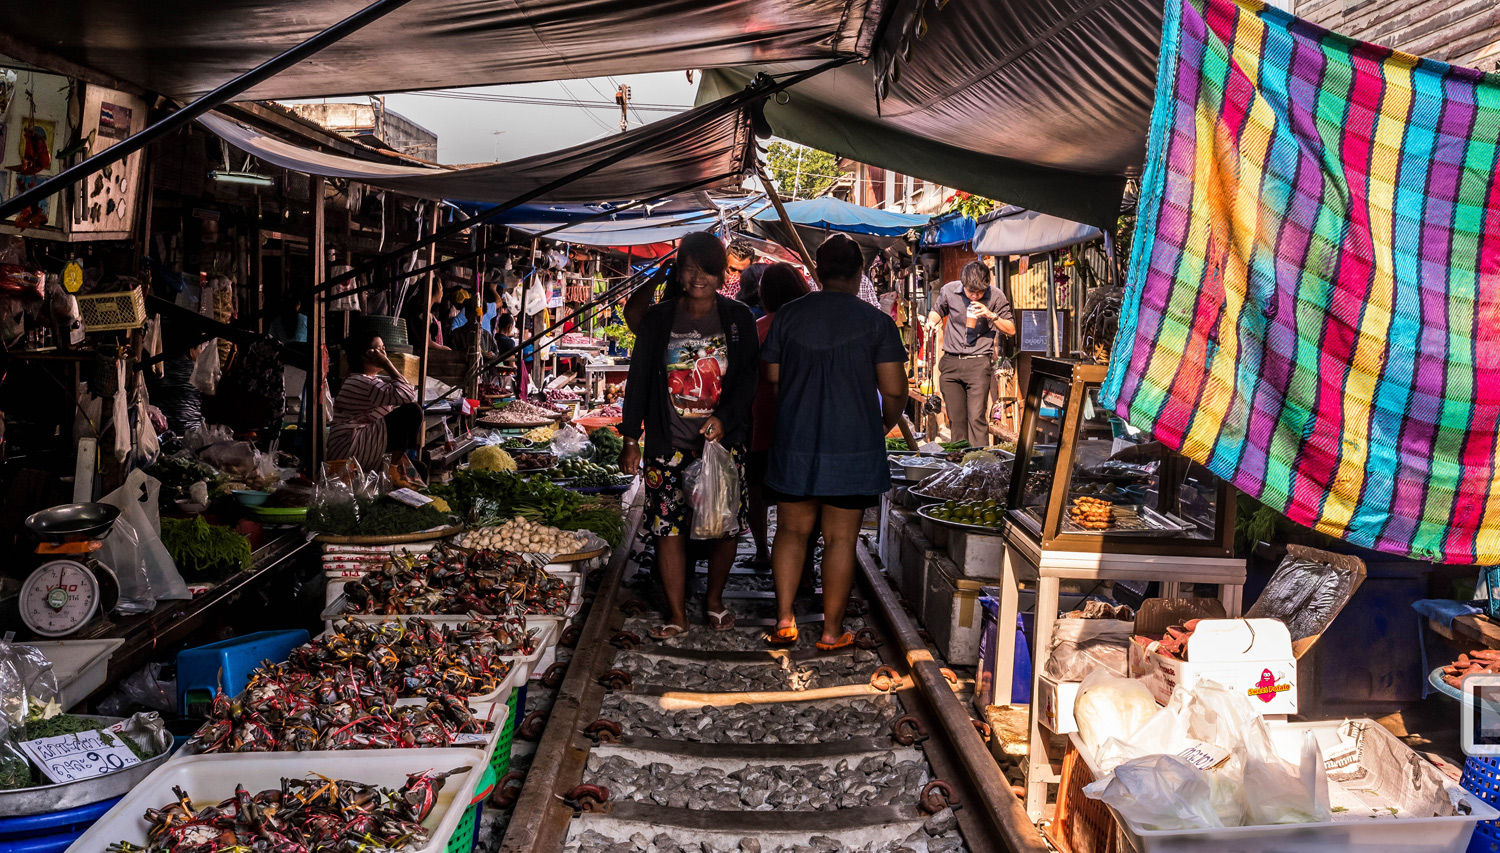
[1482, 779]
[229, 663]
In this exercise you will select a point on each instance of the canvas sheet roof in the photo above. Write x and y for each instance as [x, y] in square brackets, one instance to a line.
[1040, 103]
[710, 143]
[184, 48]
[1015, 230]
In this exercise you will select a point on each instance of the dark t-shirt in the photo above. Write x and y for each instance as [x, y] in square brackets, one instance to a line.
[829, 438]
[697, 358]
[952, 305]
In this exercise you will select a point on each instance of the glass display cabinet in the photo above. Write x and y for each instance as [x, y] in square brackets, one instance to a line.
[1084, 481]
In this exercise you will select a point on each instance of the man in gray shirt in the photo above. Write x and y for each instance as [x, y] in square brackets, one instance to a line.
[968, 314]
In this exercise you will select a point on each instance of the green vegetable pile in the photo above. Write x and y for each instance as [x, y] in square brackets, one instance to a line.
[488, 498]
[199, 546]
[607, 444]
[586, 474]
[177, 473]
[383, 517]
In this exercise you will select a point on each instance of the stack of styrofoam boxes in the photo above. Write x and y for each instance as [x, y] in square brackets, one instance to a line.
[950, 601]
[897, 522]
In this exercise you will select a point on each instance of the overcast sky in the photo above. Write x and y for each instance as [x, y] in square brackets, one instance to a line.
[480, 131]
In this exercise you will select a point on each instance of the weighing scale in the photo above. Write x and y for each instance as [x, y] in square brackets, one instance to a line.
[72, 588]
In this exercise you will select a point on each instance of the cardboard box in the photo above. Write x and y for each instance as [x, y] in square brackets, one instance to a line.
[1255, 655]
[1055, 700]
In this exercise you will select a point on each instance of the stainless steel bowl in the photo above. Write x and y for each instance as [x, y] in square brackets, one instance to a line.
[73, 522]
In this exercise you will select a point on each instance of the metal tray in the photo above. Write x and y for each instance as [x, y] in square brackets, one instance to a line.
[44, 799]
[976, 528]
[1149, 523]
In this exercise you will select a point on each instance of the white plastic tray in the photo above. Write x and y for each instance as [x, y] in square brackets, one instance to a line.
[210, 779]
[1395, 835]
[80, 666]
[547, 630]
[496, 713]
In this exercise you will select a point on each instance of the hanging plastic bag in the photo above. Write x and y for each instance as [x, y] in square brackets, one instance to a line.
[333, 508]
[206, 369]
[87, 414]
[714, 493]
[1159, 792]
[120, 415]
[146, 449]
[138, 500]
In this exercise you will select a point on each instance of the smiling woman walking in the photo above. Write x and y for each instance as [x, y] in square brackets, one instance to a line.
[828, 354]
[692, 378]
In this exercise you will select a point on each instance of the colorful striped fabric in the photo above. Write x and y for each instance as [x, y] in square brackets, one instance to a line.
[1313, 308]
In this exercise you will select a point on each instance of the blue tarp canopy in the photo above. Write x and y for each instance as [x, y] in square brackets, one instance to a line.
[950, 229]
[830, 214]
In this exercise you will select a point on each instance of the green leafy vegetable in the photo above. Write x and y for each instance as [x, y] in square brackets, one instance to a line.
[384, 517]
[607, 444]
[198, 546]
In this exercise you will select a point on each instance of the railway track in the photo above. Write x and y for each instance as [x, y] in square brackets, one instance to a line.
[712, 742]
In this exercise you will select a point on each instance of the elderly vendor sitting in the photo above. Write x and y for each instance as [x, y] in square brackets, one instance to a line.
[374, 414]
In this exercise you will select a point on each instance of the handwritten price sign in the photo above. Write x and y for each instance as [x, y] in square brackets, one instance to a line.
[69, 758]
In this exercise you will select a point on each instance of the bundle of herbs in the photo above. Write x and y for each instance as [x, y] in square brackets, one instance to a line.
[489, 498]
[198, 546]
[38, 727]
[380, 517]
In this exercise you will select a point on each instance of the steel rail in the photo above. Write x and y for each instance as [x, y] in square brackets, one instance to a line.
[999, 815]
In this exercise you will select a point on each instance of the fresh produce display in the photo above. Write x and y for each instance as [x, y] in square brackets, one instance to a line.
[534, 460]
[316, 815]
[609, 410]
[491, 458]
[382, 517]
[516, 442]
[526, 537]
[979, 480]
[450, 582]
[540, 434]
[488, 498]
[1477, 662]
[985, 513]
[299, 715]
[586, 474]
[411, 656]
[562, 395]
[607, 444]
[519, 412]
[197, 546]
[296, 492]
[979, 456]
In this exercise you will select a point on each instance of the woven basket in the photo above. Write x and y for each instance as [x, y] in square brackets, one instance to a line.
[108, 312]
[1080, 824]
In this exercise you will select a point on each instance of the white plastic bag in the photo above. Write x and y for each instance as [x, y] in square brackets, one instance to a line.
[206, 369]
[1159, 792]
[121, 551]
[1081, 646]
[569, 442]
[146, 449]
[1110, 707]
[120, 415]
[714, 493]
[138, 503]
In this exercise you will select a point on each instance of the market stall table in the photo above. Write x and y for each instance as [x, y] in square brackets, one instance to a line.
[601, 374]
[149, 635]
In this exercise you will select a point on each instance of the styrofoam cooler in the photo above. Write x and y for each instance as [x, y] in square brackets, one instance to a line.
[210, 779]
[1449, 834]
[951, 610]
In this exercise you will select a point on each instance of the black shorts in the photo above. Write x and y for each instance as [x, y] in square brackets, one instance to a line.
[859, 502]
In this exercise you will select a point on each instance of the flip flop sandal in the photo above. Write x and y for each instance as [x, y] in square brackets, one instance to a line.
[666, 632]
[843, 642]
[720, 620]
[784, 636]
[753, 563]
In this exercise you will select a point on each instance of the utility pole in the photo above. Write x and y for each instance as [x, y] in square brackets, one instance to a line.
[622, 97]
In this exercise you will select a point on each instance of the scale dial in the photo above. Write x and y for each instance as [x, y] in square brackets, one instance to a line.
[59, 598]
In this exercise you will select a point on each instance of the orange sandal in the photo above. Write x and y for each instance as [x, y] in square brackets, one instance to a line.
[783, 636]
[843, 642]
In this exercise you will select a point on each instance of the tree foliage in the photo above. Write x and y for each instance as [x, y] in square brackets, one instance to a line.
[970, 205]
[799, 171]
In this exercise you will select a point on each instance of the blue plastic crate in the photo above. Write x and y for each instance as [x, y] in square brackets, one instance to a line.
[1482, 779]
[53, 832]
[229, 663]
